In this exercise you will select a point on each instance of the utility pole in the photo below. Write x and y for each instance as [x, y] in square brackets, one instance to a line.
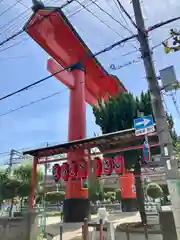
[170, 164]
[11, 161]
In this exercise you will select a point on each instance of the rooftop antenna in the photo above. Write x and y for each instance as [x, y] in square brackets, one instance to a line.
[37, 4]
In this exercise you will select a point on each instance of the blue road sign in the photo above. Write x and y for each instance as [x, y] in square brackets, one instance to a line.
[143, 122]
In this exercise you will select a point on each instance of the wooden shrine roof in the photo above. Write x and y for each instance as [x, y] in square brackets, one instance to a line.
[111, 140]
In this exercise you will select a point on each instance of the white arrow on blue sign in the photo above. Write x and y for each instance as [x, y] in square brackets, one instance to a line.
[143, 125]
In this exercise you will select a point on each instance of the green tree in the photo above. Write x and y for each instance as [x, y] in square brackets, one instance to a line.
[154, 191]
[55, 197]
[12, 187]
[95, 191]
[3, 181]
[24, 173]
[118, 195]
[177, 148]
[118, 114]
[111, 196]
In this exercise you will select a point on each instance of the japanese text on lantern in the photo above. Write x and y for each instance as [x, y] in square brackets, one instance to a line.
[79, 169]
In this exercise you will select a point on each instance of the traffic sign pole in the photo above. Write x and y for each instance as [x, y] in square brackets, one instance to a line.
[146, 135]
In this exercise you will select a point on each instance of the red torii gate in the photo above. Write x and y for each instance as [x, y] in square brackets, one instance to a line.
[86, 78]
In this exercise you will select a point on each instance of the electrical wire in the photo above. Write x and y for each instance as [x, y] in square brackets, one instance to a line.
[67, 68]
[127, 14]
[14, 45]
[32, 103]
[93, 14]
[120, 12]
[7, 25]
[12, 58]
[175, 104]
[9, 8]
[117, 21]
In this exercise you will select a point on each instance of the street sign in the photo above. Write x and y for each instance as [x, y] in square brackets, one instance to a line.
[143, 125]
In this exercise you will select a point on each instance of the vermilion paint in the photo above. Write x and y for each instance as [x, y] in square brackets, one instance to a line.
[127, 186]
[54, 33]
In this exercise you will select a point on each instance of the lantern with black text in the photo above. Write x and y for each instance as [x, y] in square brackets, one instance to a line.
[56, 172]
[119, 164]
[98, 166]
[73, 169]
[82, 169]
[65, 171]
[108, 166]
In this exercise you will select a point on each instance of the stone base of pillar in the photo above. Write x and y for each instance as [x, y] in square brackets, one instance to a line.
[76, 209]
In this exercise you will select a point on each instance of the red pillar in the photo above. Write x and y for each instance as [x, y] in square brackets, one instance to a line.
[33, 183]
[76, 197]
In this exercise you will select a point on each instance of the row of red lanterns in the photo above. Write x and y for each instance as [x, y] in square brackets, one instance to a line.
[79, 169]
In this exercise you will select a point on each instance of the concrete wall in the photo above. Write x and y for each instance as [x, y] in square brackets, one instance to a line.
[15, 228]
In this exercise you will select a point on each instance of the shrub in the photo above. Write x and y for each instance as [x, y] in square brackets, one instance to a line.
[54, 196]
[154, 191]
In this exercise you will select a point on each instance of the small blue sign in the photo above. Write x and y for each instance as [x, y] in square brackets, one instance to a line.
[146, 151]
[143, 122]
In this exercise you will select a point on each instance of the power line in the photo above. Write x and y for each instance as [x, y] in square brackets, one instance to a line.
[32, 103]
[120, 12]
[175, 104]
[12, 37]
[127, 14]
[13, 45]
[7, 25]
[9, 8]
[83, 60]
[162, 24]
[12, 58]
[117, 21]
[92, 13]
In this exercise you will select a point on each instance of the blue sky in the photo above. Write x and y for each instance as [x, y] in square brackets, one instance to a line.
[25, 63]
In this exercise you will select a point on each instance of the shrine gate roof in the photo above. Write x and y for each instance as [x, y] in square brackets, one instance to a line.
[125, 138]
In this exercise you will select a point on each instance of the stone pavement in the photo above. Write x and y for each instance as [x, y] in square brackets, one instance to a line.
[72, 231]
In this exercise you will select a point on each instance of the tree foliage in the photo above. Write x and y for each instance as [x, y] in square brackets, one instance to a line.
[24, 173]
[118, 114]
[16, 184]
[154, 191]
[54, 196]
[95, 191]
[118, 195]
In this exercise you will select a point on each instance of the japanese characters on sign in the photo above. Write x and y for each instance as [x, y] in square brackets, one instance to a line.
[79, 169]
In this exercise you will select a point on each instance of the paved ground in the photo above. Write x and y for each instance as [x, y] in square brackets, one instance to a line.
[72, 231]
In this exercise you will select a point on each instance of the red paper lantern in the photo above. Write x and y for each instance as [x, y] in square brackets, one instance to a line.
[73, 169]
[98, 166]
[82, 169]
[108, 166]
[119, 164]
[56, 172]
[65, 171]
